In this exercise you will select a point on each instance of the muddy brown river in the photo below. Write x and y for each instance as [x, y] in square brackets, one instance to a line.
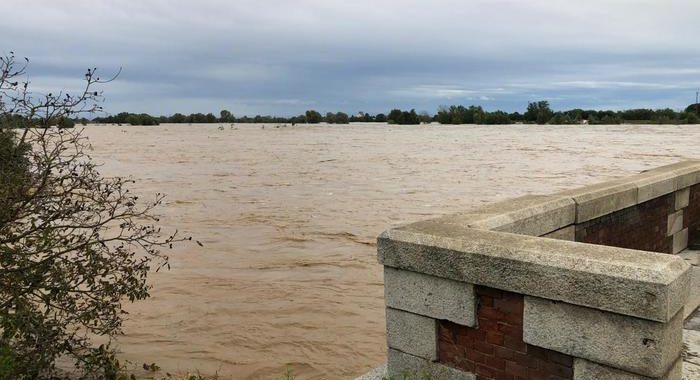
[288, 276]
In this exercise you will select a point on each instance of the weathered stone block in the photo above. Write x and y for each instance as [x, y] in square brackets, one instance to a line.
[638, 283]
[682, 198]
[691, 339]
[400, 364]
[533, 215]
[634, 345]
[431, 296]
[566, 233]
[686, 173]
[680, 240]
[602, 199]
[694, 299]
[653, 184]
[692, 257]
[674, 223]
[411, 333]
[379, 373]
[586, 370]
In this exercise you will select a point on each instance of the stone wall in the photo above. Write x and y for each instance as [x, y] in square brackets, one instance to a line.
[516, 290]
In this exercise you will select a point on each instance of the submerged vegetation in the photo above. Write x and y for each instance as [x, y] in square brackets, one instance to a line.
[538, 112]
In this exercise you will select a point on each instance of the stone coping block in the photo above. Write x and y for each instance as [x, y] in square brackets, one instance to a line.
[602, 198]
[682, 198]
[566, 233]
[538, 215]
[653, 184]
[680, 241]
[674, 223]
[634, 345]
[533, 215]
[379, 373]
[431, 296]
[643, 284]
[401, 365]
[411, 333]
[586, 370]
[666, 179]
[687, 173]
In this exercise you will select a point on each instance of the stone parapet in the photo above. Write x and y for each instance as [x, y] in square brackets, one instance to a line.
[582, 284]
[636, 283]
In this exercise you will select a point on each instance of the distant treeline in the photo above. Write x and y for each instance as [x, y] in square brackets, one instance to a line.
[536, 113]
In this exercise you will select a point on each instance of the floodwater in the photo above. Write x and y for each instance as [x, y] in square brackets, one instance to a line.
[288, 276]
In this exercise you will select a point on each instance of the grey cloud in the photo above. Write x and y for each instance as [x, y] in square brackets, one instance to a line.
[281, 56]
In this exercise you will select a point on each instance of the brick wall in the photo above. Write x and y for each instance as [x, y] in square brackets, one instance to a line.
[643, 226]
[495, 350]
[691, 216]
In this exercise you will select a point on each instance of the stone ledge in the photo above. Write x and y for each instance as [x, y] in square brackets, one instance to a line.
[640, 346]
[638, 283]
[400, 364]
[687, 173]
[566, 233]
[603, 198]
[379, 373]
[434, 297]
[682, 198]
[533, 215]
[652, 185]
[586, 370]
[538, 215]
[666, 179]
[411, 333]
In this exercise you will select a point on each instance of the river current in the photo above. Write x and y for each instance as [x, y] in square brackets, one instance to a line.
[288, 277]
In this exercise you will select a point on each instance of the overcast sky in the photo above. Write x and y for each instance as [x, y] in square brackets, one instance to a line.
[285, 56]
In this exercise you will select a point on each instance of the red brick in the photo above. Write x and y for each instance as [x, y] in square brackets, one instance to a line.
[495, 349]
[516, 369]
[515, 344]
[511, 330]
[496, 362]
[489, 312]
[494, 338]
[638, 227]
[485, 372]
[509, 305]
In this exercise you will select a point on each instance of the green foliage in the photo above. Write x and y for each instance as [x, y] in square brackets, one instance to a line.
[65, 122]
[14, 170]
[397, 116]
[560, 118]
[460, 115]
[313, 117]
[538, 112]
[7, 360]
[225, 116]
[74, 246]
[337, 118]
[690, 118]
